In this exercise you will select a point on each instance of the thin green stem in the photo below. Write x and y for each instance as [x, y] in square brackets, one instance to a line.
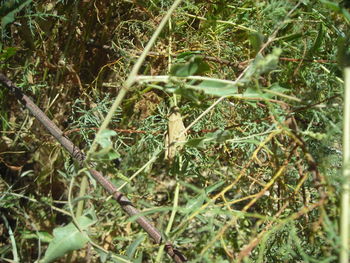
[171, 221]
[83, 186]
[132, 77]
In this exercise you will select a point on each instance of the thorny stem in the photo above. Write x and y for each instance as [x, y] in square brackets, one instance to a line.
[76, 153]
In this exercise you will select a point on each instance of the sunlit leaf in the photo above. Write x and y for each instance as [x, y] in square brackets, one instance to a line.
[251, 92]
[68, 238]
[216, 88]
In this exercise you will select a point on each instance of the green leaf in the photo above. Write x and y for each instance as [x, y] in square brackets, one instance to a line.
[216, 88]
[251, 92]
[198, 142]
[277, 88]
[195, 203]
[43, 236]
[10, 9]
[107, 152]
[213, 187]
[109, 257]
[186, 54]
[123, 177]
[268, 63]
[218, 136]
[318, 41]
[346, 14]
[291, 37]
[67, 238]
[186, 93]
[195, 66]
[6, 53]
[130, 252]
[331, 5]
[198, 200]
[105, 138]
[256, 40]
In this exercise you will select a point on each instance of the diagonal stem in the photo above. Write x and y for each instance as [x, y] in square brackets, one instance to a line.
[77, 154]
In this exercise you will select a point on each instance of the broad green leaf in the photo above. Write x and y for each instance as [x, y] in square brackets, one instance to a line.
[198, 201]
[67, 238]
[252, 93]
[195, 66]
[216, 88]
[139, 258]
[107, 152]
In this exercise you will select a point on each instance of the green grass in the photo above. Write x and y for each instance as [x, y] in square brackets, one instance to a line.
[252, 186]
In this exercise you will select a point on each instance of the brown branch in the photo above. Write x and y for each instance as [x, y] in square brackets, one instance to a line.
[124, 202]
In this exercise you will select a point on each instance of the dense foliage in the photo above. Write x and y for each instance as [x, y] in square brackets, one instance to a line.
[256, 179]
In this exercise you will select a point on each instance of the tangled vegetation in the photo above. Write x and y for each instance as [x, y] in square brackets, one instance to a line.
[229, 139]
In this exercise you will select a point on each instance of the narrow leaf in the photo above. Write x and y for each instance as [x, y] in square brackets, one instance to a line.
[130, 252]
